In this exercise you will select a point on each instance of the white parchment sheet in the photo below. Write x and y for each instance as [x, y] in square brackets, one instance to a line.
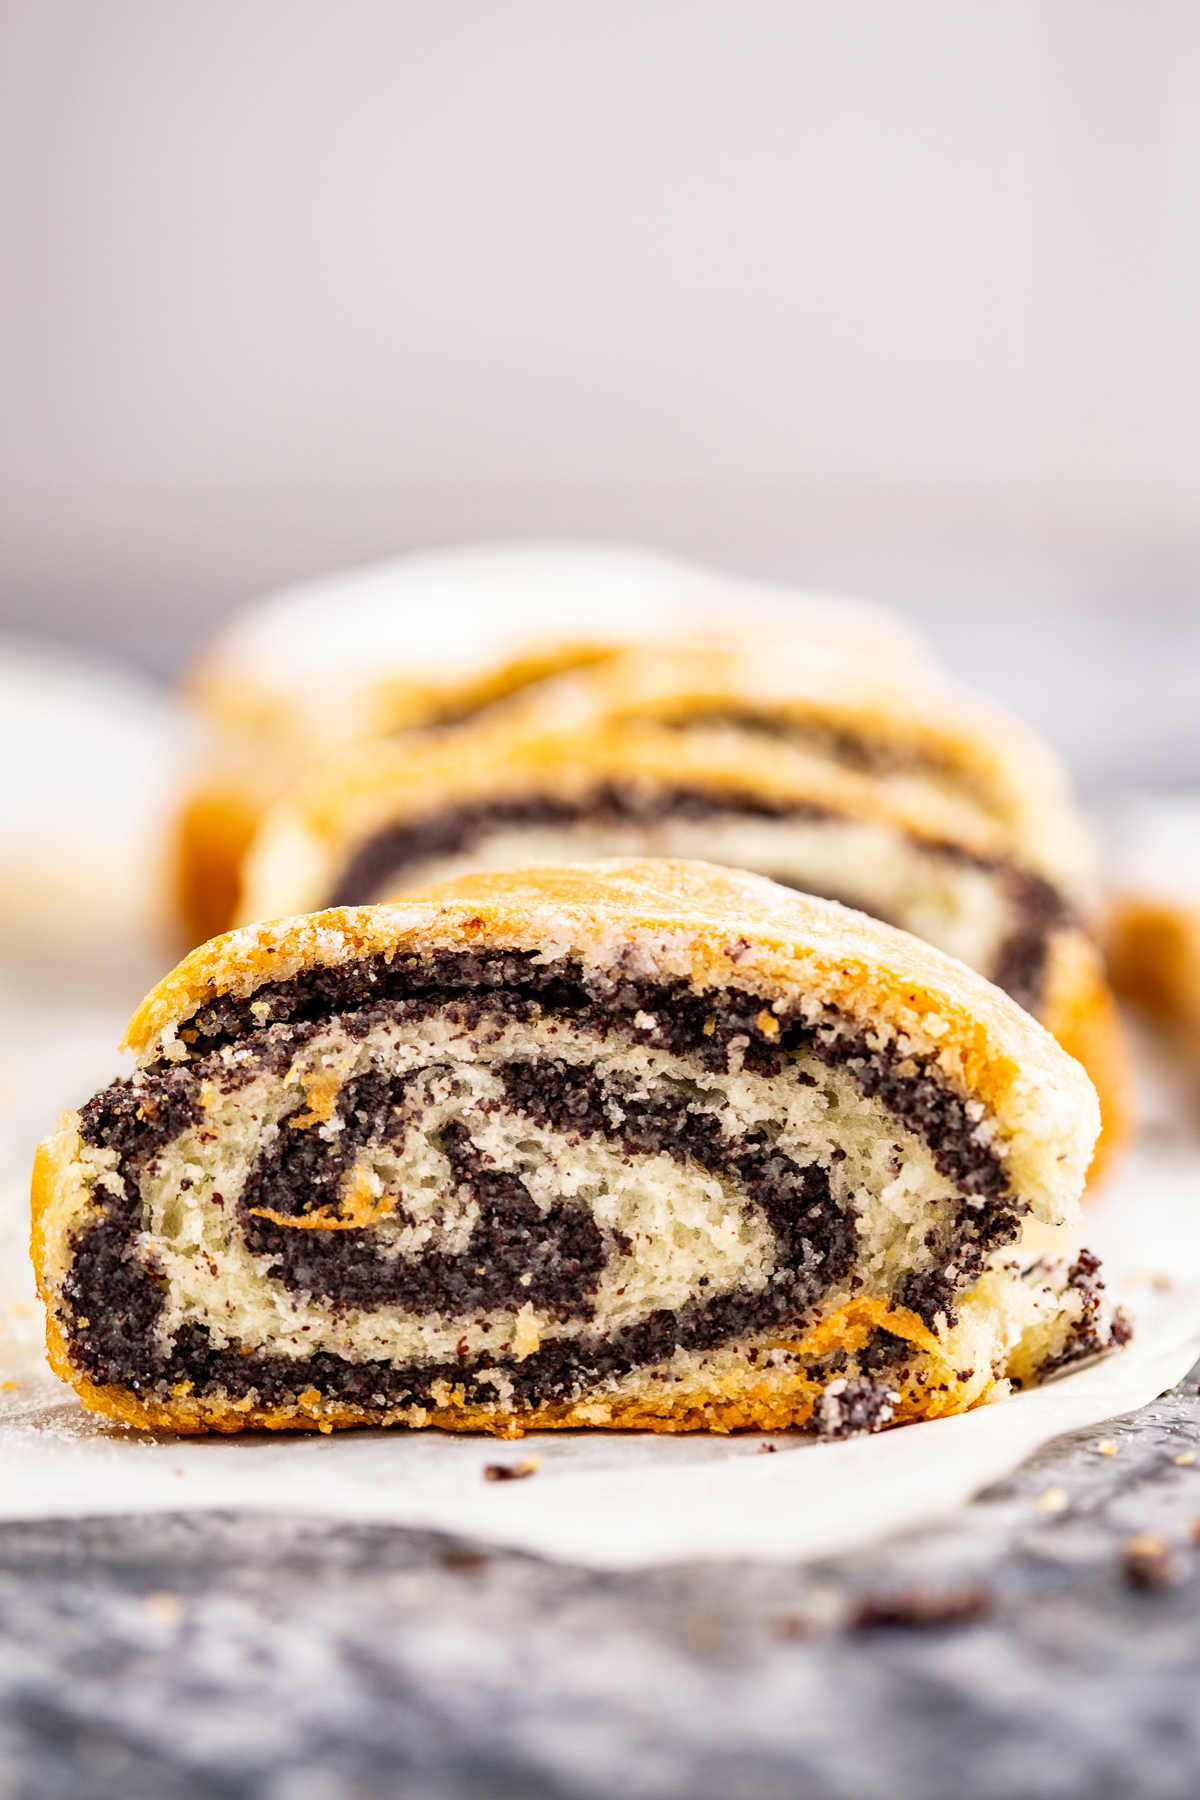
[606, 1500]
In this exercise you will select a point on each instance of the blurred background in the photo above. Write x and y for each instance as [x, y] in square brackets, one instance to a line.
[899, 300]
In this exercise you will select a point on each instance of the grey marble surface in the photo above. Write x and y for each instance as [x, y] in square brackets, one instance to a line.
[234, 1656]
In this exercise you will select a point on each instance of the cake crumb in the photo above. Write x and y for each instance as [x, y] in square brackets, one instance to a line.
[518, 1471]
[767, 1449]
[1147, 1561]
[918, 1608]
[854, 1408]
[1185, 1459]
[463, 1561]
[164, 1608]
[1106, 1447]
[1054, 1500]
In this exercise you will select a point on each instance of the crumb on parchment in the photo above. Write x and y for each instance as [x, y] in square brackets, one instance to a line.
[518, 1471]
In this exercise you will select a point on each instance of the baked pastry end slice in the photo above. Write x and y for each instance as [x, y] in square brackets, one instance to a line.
[653, 1145]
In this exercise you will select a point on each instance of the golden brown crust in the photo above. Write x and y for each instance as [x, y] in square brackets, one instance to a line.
[58, 1199]
[744, 1401]
[755, 1408]
[735, 925]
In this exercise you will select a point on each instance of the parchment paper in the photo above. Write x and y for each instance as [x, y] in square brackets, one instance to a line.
[605, 1500]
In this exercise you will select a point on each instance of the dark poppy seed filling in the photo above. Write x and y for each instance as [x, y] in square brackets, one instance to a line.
[850, 749]
[713, 1025]
[795, 1200]
[516, 1252]
[386, 860]
[385, 856]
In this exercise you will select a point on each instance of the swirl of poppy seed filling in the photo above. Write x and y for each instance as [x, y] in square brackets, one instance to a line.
[989, 911]
[839, 743]
[513, 1250]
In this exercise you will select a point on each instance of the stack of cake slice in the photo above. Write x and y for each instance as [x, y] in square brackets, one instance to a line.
[759, 1121]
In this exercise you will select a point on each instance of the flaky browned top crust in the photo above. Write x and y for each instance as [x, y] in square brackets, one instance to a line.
[714, 927]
